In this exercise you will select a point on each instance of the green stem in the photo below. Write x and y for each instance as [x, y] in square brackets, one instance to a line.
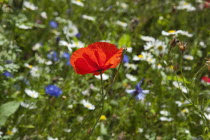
[102, 100]
[102, 108]
[198, 71]
[190, 100]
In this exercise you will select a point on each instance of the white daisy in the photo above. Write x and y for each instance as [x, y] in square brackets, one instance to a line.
[28, 66]
[44, 15]
[73, 44]
[67, 130]
[122, 24]
[131, 77]
[164, 112]
[188, 57]
[49, 62]
[28, 105]
[36, 46]
[145, 56]
[178, 103]
[160, 47]
[30, 5]
[77, 2]
[70, 30]
[87, 105]
[77, 44]
[157, 47]
[173, 32]
[88, 17]
[132, 66]
[184, 33]
[122, 5]
[35, 72]
[187, 68]
[156, 66]
[32, 93]
[166, 119]
[104, 76]
[207, 116]
[147, 38]
[183, 5]
[180, 86]
[23, 26]
[85, 92]
[64, 43]
[202, 44]
[51, 138]
[129, 49]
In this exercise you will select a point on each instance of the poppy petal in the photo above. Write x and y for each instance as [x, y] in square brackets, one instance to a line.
[107, 48]
[115, 59]
[82, 67]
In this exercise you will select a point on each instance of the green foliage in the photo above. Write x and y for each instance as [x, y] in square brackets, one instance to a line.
[7, 109]
[125, 41]
[169, 111]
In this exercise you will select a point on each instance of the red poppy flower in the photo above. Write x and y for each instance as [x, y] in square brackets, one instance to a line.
[96, 58]
[205, 79]
[207, 4]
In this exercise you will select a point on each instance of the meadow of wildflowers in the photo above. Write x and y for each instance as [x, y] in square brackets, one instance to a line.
[105, 70]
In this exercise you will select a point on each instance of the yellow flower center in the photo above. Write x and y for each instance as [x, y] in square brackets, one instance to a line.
[9, 132]
[185, 3]
[30, 66]
[149, 60]
[125, 84]
[103, 117]
[171, 31]
[140, 56]
[184, 111]
[160, 48]
[172, 67]
[87, 105]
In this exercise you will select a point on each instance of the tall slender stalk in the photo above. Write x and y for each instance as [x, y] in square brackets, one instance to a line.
[190, 100]
[102, 108]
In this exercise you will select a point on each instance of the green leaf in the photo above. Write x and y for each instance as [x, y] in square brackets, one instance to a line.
[103, 129]
[185, 105]
[179, 79]
[7, 110]
[3, 0]
[125, 41]
[27, 126]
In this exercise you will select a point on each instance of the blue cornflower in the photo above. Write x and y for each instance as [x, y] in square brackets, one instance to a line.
[125, 59]
[78, 35]
[8, 61]
[67, 56]
[53, 24]
[7, 74]
[53, 90]
[53, 55]
[139, 93]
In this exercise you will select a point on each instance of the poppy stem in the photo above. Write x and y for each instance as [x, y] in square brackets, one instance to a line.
[102, 100]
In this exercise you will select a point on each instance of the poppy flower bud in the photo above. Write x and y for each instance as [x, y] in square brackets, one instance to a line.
[182, 46]
[174, 42]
